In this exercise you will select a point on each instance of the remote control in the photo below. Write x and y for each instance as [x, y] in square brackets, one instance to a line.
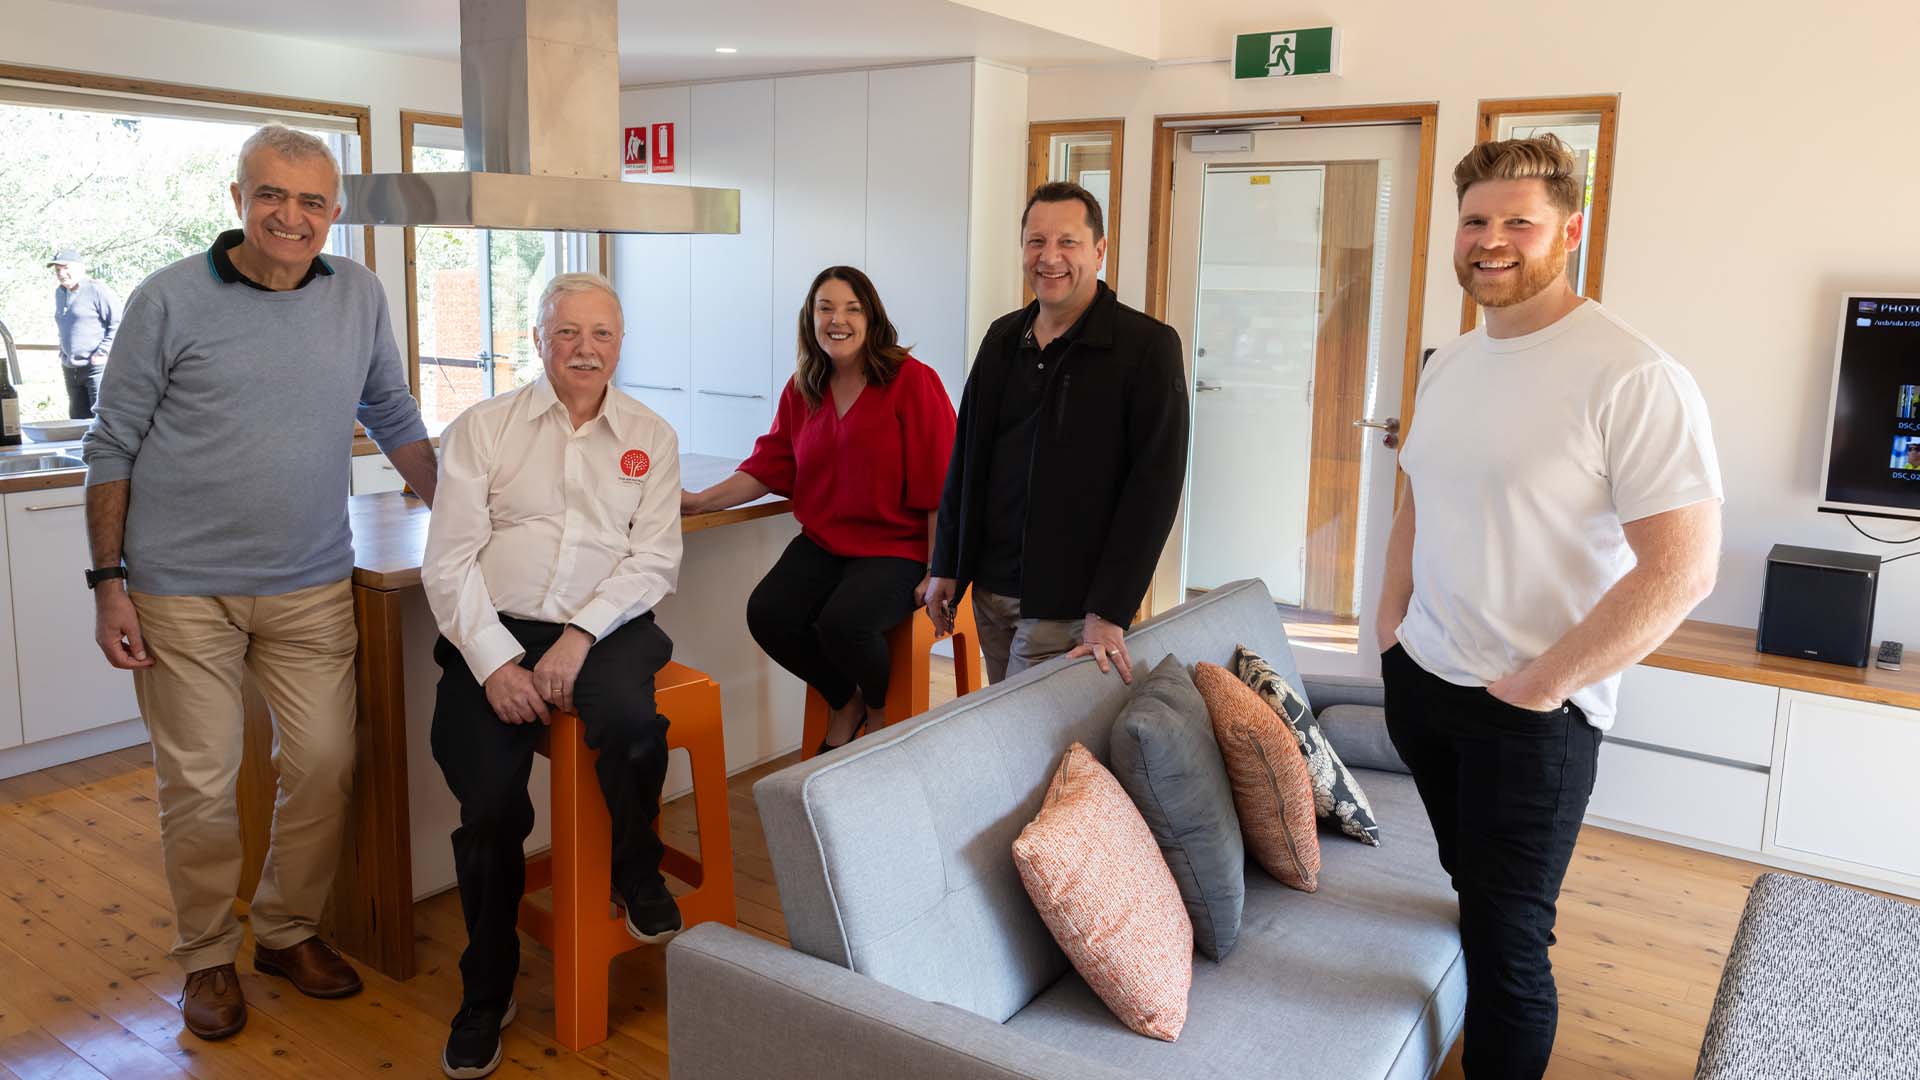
[1889, 656]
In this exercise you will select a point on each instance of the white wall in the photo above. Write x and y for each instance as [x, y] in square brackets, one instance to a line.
[1765, 163]
[1131, 26]
[89, 39]
[999, 195]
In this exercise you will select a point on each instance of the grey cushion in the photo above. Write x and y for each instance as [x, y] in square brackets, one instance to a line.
[1359, 735]
[1164, 755]
[1821, 981]
[1362, 979]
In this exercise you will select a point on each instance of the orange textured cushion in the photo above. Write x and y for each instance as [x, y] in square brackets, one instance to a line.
[1272, 786]
[1093, 869]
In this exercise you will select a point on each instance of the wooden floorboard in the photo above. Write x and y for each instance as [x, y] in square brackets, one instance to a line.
[87, 990]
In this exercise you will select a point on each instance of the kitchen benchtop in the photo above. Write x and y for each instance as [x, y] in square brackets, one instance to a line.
[390, 529]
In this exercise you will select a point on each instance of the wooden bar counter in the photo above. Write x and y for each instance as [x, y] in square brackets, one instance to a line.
[371, 913]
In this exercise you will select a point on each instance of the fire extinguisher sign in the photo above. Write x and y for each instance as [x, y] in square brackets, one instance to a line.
[663, 148]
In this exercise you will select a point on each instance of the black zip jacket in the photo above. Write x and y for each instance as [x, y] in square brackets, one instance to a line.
[1109, 460]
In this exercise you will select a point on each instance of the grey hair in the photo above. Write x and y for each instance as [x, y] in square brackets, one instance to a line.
[570, 284]
[290, 144]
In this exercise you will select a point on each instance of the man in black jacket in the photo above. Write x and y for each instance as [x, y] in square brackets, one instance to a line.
[1069, 457]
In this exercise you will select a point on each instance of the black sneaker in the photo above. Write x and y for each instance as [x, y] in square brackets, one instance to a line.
[473, 1049]
[652, 915]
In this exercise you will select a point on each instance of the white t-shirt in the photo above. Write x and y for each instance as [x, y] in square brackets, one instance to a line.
[1525, 456]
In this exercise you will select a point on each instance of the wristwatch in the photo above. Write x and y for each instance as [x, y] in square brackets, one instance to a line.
[95, 577]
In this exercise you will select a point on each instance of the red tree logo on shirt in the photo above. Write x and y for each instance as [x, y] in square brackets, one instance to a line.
[635, 463]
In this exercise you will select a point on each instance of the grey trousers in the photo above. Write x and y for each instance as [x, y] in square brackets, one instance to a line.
[1012, 644]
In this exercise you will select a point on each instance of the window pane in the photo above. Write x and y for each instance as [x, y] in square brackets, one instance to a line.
[1581, 133]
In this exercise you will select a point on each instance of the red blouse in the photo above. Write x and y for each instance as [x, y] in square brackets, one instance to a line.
[862, 484]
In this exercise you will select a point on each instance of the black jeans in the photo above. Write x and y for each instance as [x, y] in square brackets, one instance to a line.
[1505, 789]
[825, 618]
[487, 762]
[83, 390]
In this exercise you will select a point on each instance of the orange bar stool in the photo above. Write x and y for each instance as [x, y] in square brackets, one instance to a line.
[910, 644]
[581, 930]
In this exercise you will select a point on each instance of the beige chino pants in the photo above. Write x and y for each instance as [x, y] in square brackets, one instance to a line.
[300, 647]
[1011, 644]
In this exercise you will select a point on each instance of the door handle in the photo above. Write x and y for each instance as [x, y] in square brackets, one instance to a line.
[655, 386]
[1202, 386]
[53, 506]
[731, 394]
[1390, 426]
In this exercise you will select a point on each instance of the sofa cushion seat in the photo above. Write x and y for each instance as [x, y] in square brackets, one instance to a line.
[1338, 983]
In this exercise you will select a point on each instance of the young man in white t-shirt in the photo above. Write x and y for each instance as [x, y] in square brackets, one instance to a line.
[1568, 519]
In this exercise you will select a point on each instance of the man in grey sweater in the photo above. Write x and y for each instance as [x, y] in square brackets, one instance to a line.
[86, 313]
[217, 471]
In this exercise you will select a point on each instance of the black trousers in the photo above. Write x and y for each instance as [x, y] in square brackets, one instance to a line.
[487, 762]
[1505, 789]
[83, 390]
[825, 618]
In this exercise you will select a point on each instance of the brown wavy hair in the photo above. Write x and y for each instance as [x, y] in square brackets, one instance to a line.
[884, 351]
[1544, 158]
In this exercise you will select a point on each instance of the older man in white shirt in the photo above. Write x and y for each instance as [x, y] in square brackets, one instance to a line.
[556, 531]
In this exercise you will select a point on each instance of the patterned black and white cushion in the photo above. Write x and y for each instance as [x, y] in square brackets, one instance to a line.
[1336, 794]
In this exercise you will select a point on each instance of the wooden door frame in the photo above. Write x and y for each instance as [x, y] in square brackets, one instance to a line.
[409, 118]
[1160, 208]
[361, 116]
[1595, 240]
[1039, 150]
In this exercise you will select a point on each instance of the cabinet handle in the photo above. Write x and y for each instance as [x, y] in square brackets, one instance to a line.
[654, 386]
[727, 393]
[55, 506]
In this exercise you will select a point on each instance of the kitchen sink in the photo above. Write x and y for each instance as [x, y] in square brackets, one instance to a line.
[34, 463]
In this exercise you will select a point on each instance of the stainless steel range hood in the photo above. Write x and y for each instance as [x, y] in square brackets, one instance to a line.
[540, 103]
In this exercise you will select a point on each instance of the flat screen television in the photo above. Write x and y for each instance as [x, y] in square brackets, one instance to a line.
[1873, 419]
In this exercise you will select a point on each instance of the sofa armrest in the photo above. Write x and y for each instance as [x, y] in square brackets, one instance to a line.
[1326, 691]
[740, 1006]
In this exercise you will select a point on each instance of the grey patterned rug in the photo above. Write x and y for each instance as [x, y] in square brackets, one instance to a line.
[1822, 983]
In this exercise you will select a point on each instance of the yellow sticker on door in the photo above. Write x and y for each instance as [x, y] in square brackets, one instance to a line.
[1259, 179]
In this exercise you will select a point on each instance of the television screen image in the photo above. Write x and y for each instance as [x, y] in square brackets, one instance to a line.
[1873, 423]
[1906, 452]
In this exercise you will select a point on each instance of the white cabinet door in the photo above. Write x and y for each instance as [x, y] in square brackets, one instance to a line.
[65, 684]
[819, 195]
[919, 147]
[653, 275]
[373, 472]
[1700, 714]
[9, 670]
[732, 280]
[1846, 783]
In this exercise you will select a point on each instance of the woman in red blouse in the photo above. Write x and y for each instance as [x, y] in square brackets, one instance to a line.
[860, 444]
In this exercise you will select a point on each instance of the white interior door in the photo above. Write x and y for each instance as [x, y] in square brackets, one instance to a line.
[1290, 260]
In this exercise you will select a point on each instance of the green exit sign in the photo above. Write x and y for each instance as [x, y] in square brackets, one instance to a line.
[1278, 54]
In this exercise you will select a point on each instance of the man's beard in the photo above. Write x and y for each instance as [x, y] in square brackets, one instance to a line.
[1533, 277]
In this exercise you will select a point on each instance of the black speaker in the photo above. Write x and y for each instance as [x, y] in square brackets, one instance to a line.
[1818, 604]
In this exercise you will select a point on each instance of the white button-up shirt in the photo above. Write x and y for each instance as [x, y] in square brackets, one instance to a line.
[537, 520]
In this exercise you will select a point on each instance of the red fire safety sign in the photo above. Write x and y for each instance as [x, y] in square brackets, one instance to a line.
[663, 148]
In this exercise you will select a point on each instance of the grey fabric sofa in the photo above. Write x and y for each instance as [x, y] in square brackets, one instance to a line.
[917, 954]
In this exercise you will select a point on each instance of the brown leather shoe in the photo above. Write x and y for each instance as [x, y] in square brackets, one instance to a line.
[313, 967]
[212, 1004]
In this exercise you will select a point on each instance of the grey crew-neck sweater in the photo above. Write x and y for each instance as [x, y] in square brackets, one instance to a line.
[231, 411]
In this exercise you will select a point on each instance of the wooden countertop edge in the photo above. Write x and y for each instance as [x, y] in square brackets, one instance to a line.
[389, 580]
[59, 478]
[1727, 652]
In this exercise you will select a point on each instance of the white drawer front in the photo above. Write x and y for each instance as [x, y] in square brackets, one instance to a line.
[1847, 788]
[1701, 714]
[1721, 803]
[373, 472]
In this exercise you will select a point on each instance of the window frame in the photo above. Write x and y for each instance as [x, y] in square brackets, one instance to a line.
[1039, 160]
[1495, 110]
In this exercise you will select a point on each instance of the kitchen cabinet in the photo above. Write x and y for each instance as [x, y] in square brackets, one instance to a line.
[65, 684]
[10, 733]
[1846, 791]
[653, 277]
[819, 196]
[732, 276]
[919, 146]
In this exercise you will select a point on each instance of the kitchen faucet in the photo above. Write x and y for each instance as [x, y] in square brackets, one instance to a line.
[13, 358]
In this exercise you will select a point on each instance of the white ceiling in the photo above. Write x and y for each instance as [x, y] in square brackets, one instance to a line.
[673, 40]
